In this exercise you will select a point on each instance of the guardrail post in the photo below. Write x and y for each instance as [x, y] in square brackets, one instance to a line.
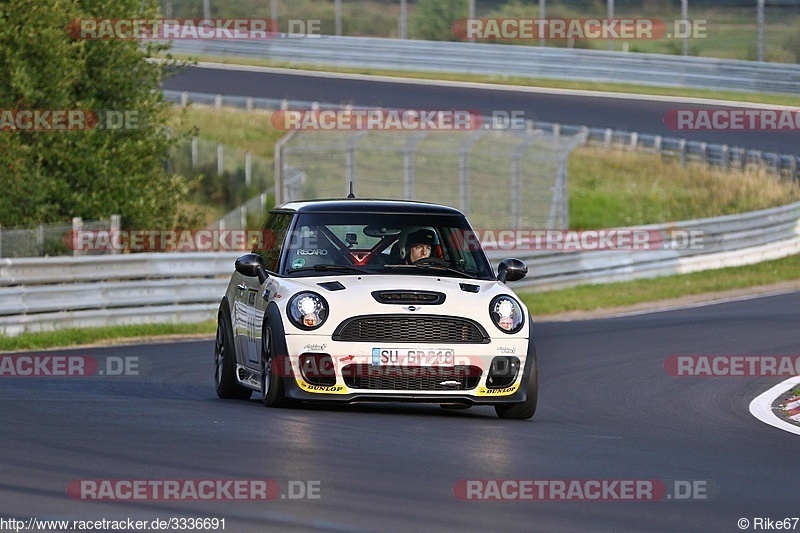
[77, 226]
[584, 135]
[115, 226]
[792, 167]
[463, 179]
[515, 170]
[735, 156]
[280, 163]
[402, 22]
[40, 239]
[607, 138]
[184, 99]
[220, 162]
[284, 104]
[682, 151]
[704, 152]
[516, 157]
[408, 164]
[610, 17]
[634, 141]
[657, 143]
[262, 199]
[757, 158]
[218, 102]
[249, 104]
[556, 130]
[350, 164]
[463, 166]
[243, 216]
[726, 156]
[248, 169]
[194, 153]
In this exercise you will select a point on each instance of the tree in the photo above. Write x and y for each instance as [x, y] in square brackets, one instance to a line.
[49, 176]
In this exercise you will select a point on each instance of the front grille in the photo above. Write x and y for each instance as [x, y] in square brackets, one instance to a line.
[417, 329]
[420, 378]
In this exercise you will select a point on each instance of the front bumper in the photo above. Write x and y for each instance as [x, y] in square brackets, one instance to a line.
[347, 356]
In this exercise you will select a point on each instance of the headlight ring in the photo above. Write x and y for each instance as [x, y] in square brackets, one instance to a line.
[507, 314]
[307, 310]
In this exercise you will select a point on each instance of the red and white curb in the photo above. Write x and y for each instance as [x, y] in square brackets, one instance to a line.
[761, 406]
[791, 408]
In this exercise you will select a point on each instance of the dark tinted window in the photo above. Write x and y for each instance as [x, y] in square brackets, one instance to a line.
[374, 243]
[270, 242]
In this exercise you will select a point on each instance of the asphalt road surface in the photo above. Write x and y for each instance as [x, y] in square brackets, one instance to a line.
[643, 116]
[608, 411]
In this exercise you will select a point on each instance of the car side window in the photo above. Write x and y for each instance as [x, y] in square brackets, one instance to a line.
[273, 235]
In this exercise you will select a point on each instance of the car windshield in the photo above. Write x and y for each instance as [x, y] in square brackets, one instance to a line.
[320, 244]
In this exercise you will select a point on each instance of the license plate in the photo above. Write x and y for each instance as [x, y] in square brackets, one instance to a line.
[407, 357]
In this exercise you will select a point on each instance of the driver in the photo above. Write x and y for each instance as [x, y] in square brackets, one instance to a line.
[419, 245]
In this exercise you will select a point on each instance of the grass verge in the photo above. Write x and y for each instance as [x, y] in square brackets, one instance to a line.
[75, 337]
[615, 188]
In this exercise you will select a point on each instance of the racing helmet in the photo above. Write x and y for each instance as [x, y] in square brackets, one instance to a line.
[421, 236]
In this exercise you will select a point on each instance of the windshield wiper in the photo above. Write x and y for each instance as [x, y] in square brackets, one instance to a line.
[433, 267]
[325, 268]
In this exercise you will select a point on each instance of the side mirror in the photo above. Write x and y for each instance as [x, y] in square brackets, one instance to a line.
[511, 270]
[252, 266]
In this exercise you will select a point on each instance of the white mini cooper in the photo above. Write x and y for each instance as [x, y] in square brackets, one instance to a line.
[372, 300]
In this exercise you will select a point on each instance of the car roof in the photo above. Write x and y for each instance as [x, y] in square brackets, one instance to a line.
[367, 206]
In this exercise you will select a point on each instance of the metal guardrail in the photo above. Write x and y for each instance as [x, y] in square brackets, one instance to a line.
[511, 60]
[721, 155]
[51, 293]
[38, 294]
[730, 240]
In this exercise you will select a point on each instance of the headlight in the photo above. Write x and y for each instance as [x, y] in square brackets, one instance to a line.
[307, 310]
[506, 314]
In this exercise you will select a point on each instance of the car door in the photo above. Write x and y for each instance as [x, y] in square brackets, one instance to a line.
[253, 294]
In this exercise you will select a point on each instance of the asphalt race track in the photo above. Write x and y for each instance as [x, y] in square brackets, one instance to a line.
[624, 113]
[608, 410]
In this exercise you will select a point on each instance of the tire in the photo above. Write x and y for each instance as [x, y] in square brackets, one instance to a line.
[273, 393]
[225, 361]
[523, 410]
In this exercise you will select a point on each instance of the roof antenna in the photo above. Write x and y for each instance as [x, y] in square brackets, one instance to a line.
[352, 194]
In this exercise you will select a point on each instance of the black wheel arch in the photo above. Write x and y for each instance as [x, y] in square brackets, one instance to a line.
[272, 316]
